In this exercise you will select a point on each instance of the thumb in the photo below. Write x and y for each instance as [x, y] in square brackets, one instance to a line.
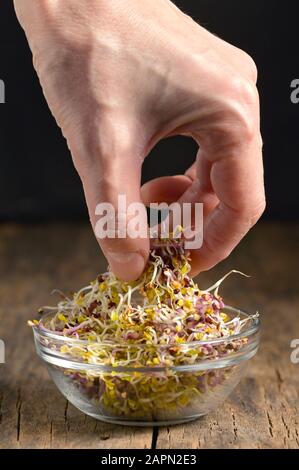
[112, 190]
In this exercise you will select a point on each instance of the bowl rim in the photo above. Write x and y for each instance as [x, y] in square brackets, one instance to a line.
[253, 328]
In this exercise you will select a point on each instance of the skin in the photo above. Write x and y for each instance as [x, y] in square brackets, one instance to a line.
[119, 76]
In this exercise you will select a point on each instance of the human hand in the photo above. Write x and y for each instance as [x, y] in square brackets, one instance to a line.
[119, 76]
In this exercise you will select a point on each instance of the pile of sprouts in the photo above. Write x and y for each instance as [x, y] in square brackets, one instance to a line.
[161, 321]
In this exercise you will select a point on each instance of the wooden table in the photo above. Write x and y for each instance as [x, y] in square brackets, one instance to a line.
[261, 413]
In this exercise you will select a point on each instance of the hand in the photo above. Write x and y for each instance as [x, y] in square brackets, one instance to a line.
[119, 76]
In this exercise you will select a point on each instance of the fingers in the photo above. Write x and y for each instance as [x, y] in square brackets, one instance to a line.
[236, 179]
[165, 189]
[181, 188]
[200, 189]
[111, 183]
[238, 183]
[227, 178]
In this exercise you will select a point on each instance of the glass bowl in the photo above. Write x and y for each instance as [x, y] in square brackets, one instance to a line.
[153, 395]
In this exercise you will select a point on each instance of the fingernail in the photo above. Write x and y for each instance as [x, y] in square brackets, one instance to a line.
[127, 266]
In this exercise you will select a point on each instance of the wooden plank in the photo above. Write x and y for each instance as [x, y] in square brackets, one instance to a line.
[34, 260]
[261, 413]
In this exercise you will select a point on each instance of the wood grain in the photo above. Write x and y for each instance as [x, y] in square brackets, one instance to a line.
[261, 413]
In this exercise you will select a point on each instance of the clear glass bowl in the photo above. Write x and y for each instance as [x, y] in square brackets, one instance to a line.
[149, 395]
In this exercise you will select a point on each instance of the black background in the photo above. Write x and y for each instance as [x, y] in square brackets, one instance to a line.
[37, 179]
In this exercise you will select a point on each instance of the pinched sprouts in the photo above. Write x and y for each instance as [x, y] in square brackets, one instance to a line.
[162, 320]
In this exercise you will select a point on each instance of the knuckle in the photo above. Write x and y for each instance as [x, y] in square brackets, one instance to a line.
[104, 143]
[250, 213]
[257, 210]
[245, 91]
[244, 109]
[249, 65]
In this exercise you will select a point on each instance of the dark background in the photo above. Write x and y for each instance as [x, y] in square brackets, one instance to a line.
[37, 179]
